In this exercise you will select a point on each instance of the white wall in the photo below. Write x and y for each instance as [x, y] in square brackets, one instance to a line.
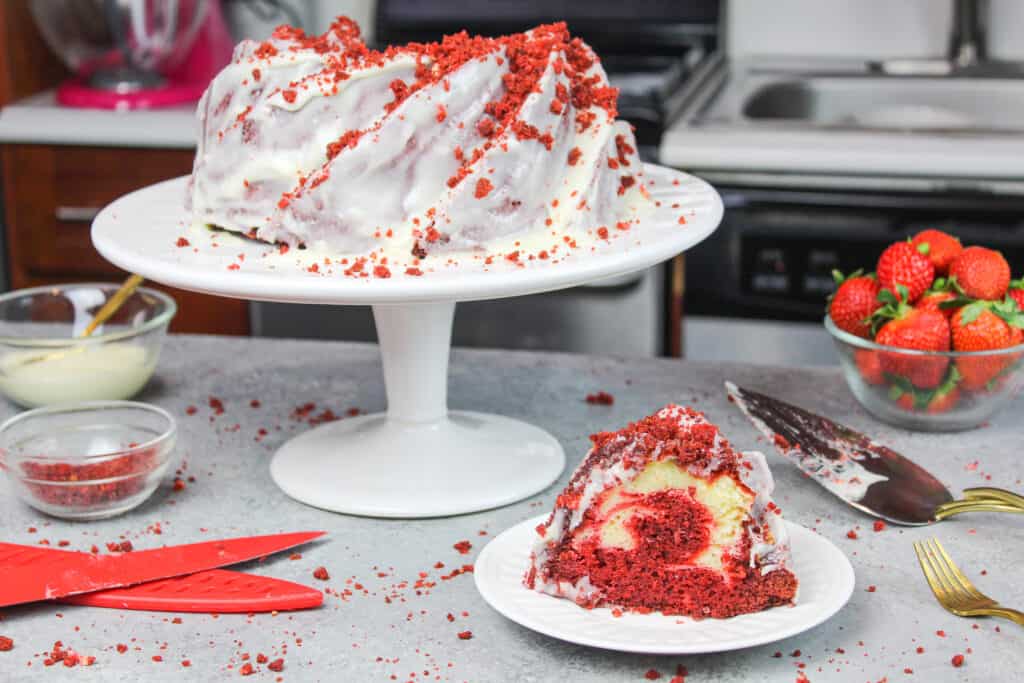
[1006, 30]
[872, 29]
[324, 11]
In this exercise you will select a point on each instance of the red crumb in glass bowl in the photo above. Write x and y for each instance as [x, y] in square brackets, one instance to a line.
[106, 481]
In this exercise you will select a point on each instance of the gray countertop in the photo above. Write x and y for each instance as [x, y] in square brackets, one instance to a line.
[376, 625]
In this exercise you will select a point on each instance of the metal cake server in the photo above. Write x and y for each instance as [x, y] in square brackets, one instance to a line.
[870, 477]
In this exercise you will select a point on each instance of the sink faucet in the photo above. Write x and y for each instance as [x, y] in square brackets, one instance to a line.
[967, 56]
[967, 40]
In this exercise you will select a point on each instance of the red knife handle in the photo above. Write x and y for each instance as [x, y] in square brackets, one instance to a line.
[213, 591]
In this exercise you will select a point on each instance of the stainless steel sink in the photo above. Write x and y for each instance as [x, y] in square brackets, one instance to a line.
[887, 102]
[792, 94]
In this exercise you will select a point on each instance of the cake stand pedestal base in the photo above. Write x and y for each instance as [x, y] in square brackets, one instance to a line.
[418, 459]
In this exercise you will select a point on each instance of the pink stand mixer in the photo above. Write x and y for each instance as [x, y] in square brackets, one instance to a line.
[135, 54]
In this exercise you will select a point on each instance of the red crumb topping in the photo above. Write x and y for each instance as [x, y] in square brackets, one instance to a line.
[574, 155]
[276, 665]
[465, 635]
[528, 56]
[602, 398]
[602, 232]
[652, 675]
[879, 525]
[182, 242]
[957, 661]
[851, 534]
[624, 149]
[463, 547]
[6, 644]
[247, 669]
[321, 573]
[483, 188]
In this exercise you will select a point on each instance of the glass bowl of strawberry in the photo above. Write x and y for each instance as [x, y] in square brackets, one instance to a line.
[934, 339]
[88, 460]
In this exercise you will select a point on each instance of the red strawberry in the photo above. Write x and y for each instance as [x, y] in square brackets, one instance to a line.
[919, 330]
[869, 365]
[940, 248]
[945, 398]
[943, 402]
[931, 302]
[853, 304]
[907, 401]
[1017, 293]
[981, 273]
[976, 327]
[902, 264]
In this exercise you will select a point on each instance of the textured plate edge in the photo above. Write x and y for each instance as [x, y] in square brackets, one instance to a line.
[842, 595]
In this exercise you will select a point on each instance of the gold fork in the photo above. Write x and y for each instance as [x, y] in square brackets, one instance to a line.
[953, 590]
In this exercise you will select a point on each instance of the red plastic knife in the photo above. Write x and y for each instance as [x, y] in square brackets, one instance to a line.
[216, 590]
[32, 573]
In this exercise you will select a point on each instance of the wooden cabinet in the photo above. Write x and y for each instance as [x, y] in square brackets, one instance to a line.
[52, 192]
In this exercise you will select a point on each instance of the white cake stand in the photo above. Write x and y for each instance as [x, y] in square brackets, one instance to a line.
[419, 459]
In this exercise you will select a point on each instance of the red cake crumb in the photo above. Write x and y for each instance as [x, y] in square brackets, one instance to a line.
[852, 534]
[652, 675]
[879, 525]
[957, 661]
[186, 663]
[463, 547]
[483, 188]
[574, 155]
[602, 398]
[122, 648]
[276, 665]
[247, 669]
[465, 635]
[6, 644]
[182, 242]
[321, 573]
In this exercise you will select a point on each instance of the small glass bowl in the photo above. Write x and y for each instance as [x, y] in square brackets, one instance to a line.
[87, 460]
[898, 386]
[43, 362]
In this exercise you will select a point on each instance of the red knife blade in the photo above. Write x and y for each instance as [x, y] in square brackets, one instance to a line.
[32, 573]
[216, 590]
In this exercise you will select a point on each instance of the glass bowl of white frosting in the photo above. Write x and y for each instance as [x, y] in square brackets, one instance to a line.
[45, 360]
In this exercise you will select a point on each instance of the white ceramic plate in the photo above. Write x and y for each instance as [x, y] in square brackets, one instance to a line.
[826, 583]
[138, 233]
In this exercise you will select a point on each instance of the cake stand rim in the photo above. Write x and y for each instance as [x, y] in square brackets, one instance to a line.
[469, 285]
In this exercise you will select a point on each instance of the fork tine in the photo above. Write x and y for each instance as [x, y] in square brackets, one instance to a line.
[964, 582]
[929, 576]
[957, 594]
[951, 597]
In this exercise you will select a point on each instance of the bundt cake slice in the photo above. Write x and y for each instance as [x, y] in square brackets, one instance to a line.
[665, 516]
